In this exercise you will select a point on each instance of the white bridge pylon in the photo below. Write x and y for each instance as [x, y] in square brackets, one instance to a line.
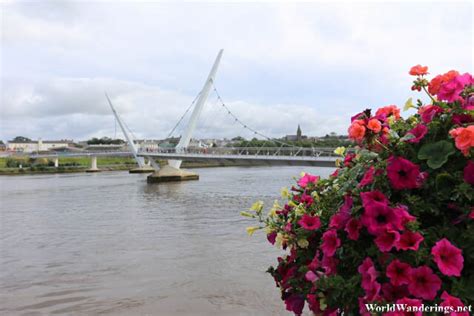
[204, 94]
[131, 145]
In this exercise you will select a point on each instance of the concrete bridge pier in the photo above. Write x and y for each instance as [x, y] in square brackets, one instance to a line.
[168, 173]
[93, 167]
[144, 168]
[56, 162]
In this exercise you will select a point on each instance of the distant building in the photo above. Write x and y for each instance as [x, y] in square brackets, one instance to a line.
[38, 146]
[299, 135]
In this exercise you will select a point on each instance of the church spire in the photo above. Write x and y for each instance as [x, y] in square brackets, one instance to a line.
[298, 133]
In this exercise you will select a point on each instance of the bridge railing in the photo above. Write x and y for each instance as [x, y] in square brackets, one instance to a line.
[250, 151]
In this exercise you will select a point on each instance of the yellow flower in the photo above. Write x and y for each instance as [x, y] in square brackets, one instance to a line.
[338, 162]
[274, 208]
[279, 240]
[408, 104]
[299, 210]
[284, 193]
[292, 204]
[303, 243]
[252, 229]
[268, 230]
[246, 214]
[340, 151]
[257, 207]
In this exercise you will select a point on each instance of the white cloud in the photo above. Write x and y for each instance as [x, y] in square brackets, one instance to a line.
[284, 63]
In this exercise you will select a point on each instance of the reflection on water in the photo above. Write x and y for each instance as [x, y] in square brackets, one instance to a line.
[110, 243]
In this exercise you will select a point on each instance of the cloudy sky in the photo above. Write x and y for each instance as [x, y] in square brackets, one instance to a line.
[313, 64]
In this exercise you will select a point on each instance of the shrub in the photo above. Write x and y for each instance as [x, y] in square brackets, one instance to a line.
[395, 221]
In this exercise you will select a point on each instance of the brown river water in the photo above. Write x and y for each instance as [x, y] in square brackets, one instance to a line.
[111, 244]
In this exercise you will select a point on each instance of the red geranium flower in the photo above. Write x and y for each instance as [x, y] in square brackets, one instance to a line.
[330, 243]
[386, 240]
[409, 241]
[418, 132]
[435, 83]
[448, 258]
[389, 110]
[353, 227]
[418, 70]
[403, 174]
[309, 222]
[452, 301]
[398, 272]
[424, 283]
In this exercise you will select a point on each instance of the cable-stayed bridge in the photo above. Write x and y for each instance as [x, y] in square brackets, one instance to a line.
[283, 154]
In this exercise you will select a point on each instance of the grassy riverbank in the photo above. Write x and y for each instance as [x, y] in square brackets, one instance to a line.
[81, 164]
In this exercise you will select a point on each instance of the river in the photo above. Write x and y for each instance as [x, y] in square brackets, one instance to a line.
[109, 243]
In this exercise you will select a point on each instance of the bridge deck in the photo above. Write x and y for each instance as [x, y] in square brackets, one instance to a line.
[264, 159]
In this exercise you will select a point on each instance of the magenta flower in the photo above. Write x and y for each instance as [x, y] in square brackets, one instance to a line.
[373, 196]
[340, 219]
[403, 174]
[409, 302]
[450, 91]
[378, 217]
[406, 217]
[309, 222]
[329, 264]
[310, 276]
[353, 227]
[313, 303]
[428, 112]
[424, 283]
[330, 243]
[409, 241]
[386, 240]
[398, 272]
[452, 301]
[469, 172]
[368, 177]
[307, 179]
[295, 303]
[271, 237]
[418, 132]
[315, 263]
[448, 258]
[368, 272]
[460, 119]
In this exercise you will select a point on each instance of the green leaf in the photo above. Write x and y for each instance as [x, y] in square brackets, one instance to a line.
[436, 154]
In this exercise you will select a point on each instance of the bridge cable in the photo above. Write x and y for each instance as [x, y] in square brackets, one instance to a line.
[182, 116]
[247, 127]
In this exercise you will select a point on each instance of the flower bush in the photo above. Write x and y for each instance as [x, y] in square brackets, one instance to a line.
[395, 222]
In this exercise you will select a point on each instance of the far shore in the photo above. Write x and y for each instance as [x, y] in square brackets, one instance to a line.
[119, 166]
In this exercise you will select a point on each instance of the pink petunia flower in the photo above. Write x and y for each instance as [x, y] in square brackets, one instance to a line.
[398, 272]
[339, 220]
[373, 196]
[469, 172]
[307, 179]
[403, 211]
[378, 217]
[452, 301]
[448, 258]
[310, 276]
[409, 241]
[408, 302]
[428, 112]
[424, 283]
[368, 177]
[403, 174]
[353, 227]
[313, 303]
[295, 303]
[386, 240]
[330, 243]
[309, 222]
[418, 132]
[329, 264]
